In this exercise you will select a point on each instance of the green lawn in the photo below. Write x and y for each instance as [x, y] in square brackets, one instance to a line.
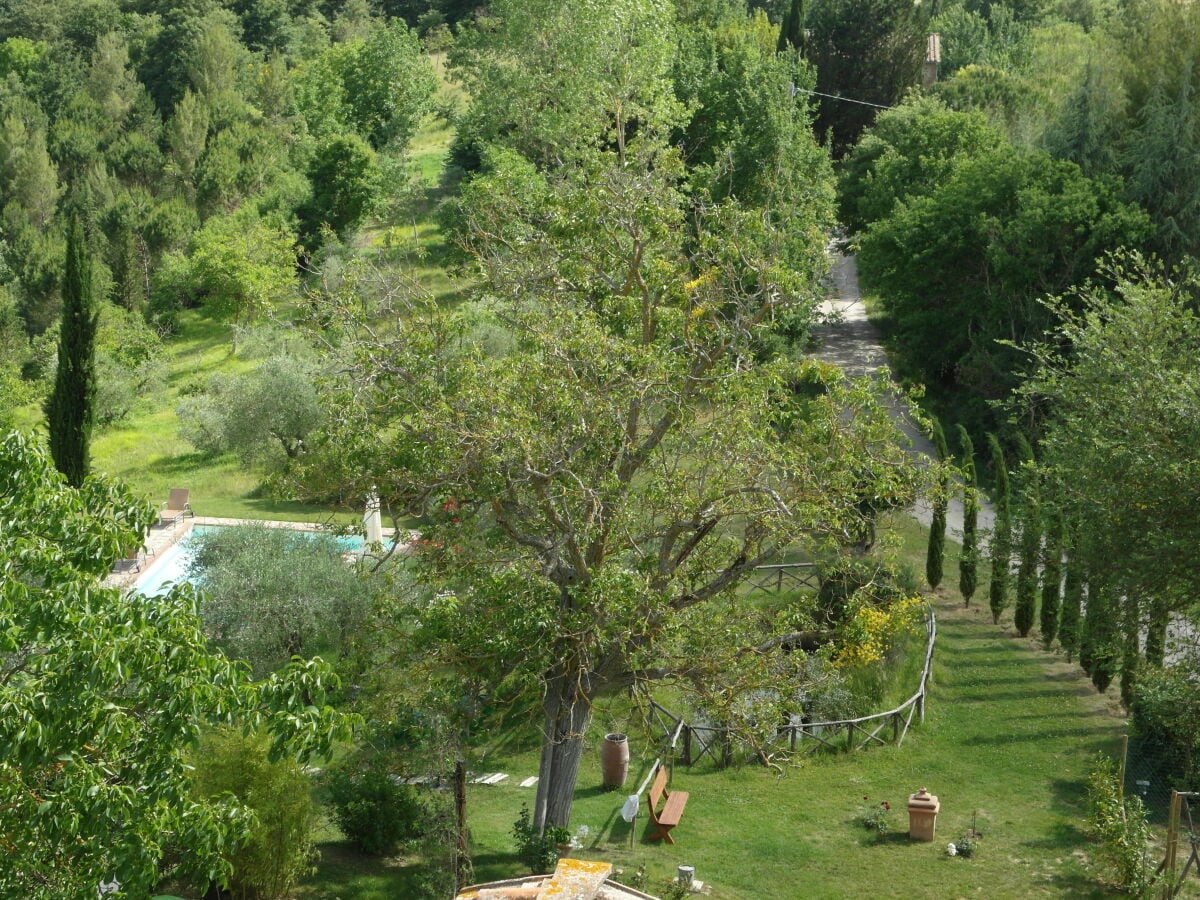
[1007, 743]
[1008, 736]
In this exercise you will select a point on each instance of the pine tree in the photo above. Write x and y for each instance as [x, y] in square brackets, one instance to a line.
[1052, 577]
[1031, 542]
[935, 554]
[1001, 545]
[70, 409]
[968, 563]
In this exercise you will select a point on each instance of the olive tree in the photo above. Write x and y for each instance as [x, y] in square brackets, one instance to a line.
[262, 415]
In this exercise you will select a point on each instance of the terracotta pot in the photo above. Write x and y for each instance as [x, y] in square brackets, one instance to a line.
[614, 760]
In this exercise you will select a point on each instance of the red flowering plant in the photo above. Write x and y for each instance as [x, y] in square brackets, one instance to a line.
[877, 817]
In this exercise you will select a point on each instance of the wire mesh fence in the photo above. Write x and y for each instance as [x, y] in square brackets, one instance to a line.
[1152, 771]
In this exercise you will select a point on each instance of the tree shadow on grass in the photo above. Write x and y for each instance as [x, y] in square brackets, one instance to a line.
[1037, 735]
[182, 463]
[990, 696]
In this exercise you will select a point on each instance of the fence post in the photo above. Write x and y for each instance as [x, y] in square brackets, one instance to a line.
[849, 736]
[1168, 890]
[895, 728]
[1124, 763]
[687, 745]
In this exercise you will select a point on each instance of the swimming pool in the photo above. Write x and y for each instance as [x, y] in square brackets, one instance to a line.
[172, 564]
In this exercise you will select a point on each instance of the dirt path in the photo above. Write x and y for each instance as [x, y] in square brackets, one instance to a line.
[853, 343]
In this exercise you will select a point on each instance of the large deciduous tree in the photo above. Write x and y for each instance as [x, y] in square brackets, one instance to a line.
[618, 460]
[102, 692]
[606, 457]
[601, 453]
[70, 409]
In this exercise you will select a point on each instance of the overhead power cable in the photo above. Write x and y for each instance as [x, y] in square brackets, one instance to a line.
[797, 90]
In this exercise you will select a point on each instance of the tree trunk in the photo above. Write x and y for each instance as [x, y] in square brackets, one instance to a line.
[567, 710]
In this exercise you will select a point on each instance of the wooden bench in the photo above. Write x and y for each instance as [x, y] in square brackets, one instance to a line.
[672, 809]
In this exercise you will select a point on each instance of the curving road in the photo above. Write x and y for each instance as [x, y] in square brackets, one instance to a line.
[850, 340]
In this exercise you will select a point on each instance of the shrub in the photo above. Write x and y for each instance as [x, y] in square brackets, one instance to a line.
[1119, 824]
[1165, 714]
[280, 847]
[374, 812]
[537, 850]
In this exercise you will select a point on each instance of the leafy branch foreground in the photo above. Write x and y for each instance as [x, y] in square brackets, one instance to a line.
[103, 692]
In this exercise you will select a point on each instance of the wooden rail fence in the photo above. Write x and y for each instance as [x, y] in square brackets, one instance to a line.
[716, 741]
[772, 578]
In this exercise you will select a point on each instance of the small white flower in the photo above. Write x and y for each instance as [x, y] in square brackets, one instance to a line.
[952, 850]
[583, 831]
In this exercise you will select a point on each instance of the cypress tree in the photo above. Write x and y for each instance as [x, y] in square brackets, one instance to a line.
[70, 409]
[791, 29]
[968, 562]
[1156, 633]
[1086, 623]
[1052, 577]
[935, 554]
[1001, 545]
[1068, 629]
[1101, 636]
[1130, 660]
[1031, 542]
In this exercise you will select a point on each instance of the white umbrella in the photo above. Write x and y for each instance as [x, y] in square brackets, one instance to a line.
[373, 520]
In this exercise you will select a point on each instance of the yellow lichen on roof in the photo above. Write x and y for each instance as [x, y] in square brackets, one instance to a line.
[576, 879]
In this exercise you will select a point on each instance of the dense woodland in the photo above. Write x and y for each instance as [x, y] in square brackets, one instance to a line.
[608, 419]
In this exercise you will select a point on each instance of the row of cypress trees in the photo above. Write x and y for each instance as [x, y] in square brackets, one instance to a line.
[1089, 621]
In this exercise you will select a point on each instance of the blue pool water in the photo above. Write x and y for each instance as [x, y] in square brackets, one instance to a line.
[171, 567]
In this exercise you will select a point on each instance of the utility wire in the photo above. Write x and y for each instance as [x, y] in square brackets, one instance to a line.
[796, 90]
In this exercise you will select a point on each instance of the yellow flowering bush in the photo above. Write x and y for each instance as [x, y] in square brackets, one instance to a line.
[871, 630]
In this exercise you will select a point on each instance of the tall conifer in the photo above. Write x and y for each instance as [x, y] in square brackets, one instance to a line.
[1069, 626]
[968, 563]
[1101, 635]
[1052, 577]
[70, 409]
[1130, 657]
[1001, 545]
[935, 553]
[1031, 541]
[791, 29]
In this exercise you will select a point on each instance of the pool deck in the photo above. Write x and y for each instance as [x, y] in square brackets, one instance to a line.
[161, 538]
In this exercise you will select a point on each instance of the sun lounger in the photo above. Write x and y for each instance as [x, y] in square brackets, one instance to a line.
[176, 507]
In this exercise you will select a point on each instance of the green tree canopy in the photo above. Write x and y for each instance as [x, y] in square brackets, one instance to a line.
[868, 51]
[961, 269]
[1119, 446]
[615, 459]
[102, 691]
